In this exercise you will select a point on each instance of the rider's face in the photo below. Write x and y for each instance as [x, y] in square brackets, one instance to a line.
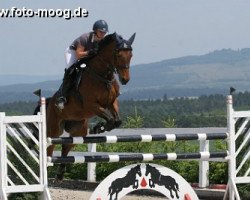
[100, 34]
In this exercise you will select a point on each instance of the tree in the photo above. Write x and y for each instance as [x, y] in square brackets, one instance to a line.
[135, 121]
[169, 122]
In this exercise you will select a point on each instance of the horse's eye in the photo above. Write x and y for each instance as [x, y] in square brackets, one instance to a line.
[119, 54]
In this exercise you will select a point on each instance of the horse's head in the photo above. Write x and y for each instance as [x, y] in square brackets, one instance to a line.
[137, 169]
[122, 57]
[148, 169]
[116, 53]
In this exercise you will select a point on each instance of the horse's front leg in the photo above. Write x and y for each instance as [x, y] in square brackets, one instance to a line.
[114, 110]
[107, 116]
[151, 183]
[136, 184]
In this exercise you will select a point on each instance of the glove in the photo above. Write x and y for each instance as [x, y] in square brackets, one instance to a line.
[92, 52]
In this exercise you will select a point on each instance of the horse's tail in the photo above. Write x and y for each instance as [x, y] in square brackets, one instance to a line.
[177, 186]
[110, 189]
[37, 109]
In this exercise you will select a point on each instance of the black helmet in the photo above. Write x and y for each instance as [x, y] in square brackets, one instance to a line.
[101, 25]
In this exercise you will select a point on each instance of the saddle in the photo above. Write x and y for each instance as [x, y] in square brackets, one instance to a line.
[72, 79]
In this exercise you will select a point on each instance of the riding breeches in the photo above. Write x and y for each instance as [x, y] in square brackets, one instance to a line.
[70, 57]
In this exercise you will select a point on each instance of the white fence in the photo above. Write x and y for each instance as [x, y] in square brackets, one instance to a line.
[15, 127]
[203, 147]
[238, 157]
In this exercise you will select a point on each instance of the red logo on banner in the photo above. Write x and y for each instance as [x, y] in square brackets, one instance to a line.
[143, 182]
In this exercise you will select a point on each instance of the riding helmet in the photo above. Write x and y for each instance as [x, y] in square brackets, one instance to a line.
[101, 25]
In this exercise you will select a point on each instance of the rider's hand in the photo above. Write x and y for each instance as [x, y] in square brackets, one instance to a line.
[92, 52]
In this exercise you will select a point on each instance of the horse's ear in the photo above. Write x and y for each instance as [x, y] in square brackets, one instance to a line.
[131, 39]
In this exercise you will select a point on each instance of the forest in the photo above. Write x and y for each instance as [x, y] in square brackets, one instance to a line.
[203, 111]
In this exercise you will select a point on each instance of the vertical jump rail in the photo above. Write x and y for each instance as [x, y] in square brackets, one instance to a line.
[238, 123]
[17, 131]
[3, 161]
[43, 146]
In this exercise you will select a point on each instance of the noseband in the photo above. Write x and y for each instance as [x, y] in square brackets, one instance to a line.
[107, 77]
[116, 52]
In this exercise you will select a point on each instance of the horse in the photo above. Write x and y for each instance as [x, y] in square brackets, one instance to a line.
[129, 179]
[97, 95]
[161, 180]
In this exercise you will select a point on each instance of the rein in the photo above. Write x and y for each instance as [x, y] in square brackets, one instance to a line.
[111, 69]
[99, 77]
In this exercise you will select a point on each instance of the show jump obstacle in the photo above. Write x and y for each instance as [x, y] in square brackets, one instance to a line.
[19, 131]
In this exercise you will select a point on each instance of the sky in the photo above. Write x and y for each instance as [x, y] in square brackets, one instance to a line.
[164, 29]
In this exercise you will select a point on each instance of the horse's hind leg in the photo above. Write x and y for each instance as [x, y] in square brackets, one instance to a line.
[53, 130]
[176, 190]
[75, 128]
[116, 195]
[170, 190]
[62, 167]
[54, 126]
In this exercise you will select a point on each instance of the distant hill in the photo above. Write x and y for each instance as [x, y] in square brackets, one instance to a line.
[10, 79]
[24, 91]
[214, 70]
[194, 75]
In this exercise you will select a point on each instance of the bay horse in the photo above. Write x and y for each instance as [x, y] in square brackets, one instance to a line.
[98, 89]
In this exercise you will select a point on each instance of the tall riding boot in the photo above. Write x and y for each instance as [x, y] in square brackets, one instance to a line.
[65, 88]
[60, 98]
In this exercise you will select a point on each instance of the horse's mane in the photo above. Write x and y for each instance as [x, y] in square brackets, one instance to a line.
[132, 170]
[106, 40]
[153, 168]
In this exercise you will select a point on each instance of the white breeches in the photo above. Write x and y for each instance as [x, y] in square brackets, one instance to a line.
[70, 57]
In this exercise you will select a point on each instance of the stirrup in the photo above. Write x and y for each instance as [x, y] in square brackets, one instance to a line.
[60, 101]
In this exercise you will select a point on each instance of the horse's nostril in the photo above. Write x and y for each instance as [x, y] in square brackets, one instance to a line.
[124, 81]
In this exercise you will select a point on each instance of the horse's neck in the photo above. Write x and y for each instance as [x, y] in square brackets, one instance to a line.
[132, 172]
[104, 58]
[101, 66]
[155, 172]
[98, 65]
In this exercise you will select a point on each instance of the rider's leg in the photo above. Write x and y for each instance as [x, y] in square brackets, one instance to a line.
[65, 88]
[70, 57]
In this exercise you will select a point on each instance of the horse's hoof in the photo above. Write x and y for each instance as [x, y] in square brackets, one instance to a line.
[57, 181]
[99, 128]
[118, 123]
[94, 132]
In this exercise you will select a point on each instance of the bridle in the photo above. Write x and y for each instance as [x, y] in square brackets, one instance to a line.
[116, 52]
[107, 77]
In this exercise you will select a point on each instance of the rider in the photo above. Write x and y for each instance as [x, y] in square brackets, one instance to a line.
[84, 46]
